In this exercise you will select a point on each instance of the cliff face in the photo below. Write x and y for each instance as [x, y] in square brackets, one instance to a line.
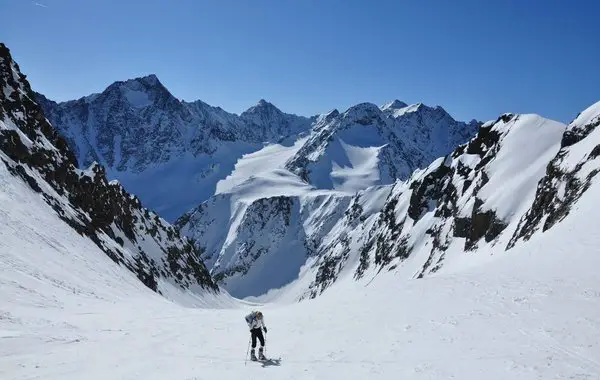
[463, 203]
[132, 236]
[568, 176]
[170, 153]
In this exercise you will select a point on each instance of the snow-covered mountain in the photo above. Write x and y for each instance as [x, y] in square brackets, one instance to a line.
[461, 204]
[258, 221]
[570, 174]
[530, 311]
[480, 197]
[168, 152]
[34, 157]
[175, 155]
[278, 201]
[520, 174]
[368, 145]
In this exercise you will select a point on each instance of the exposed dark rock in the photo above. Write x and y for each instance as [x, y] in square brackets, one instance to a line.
[354, 214]
[264, 226]
[482, 224]
[364, 262]
[561, 187]
[483, 141]
[328, 271]
[575, 135]
[98, 209]
[595, 152]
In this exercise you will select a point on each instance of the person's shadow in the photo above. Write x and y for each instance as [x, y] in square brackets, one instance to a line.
[271, 362]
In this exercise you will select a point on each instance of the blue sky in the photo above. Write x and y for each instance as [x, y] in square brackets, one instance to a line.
[477, 59]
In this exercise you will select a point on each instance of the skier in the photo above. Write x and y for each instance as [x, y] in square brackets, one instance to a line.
[256, 323]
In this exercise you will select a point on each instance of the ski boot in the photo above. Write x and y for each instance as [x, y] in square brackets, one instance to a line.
[261, 356]
[253, 356]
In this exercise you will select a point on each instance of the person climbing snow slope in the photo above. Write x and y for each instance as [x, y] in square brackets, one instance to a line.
[256, 323]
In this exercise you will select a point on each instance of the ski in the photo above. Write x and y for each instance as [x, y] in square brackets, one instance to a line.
[272, 361]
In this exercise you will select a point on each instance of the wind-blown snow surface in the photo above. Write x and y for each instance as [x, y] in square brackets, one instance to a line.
[266, 163]
[531, 313]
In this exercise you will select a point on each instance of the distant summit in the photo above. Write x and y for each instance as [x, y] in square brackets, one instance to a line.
[169, 152]
[395, 104]
[173, 153]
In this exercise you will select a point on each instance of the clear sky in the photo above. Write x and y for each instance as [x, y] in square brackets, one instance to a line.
[477, 59]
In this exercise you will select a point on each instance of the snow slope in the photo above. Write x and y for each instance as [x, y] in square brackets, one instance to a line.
[131, 236]
[368, 145]
[69, 310]
[298, 190]
[260, 241]
[459, 203]
[168, 152]
[568, 176]
[264, 163]
[529, 313]
[453, 210]
[44, 262]
[174, 155]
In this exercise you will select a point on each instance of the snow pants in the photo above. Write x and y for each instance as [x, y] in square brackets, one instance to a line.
[257, 333]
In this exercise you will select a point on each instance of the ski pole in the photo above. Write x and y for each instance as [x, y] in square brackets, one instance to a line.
[247, 351]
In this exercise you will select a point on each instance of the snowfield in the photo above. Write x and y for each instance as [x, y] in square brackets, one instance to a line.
[67, 311]
[260, 163]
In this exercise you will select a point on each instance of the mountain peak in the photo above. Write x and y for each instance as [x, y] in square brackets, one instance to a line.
[394, 105]
[363, 108]
[327, 117]
[139, 92]
[151, 80]
[363, 113]
[418, 108]
[263, 104]
[147, 81]
[262, 107]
